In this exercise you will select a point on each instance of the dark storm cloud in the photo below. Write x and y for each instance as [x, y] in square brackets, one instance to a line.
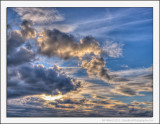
[31, 80]
[14, 40]
[19, 57]
[17, 52]
[65, 46]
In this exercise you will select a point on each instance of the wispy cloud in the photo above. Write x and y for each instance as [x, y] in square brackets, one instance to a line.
[66, 28]
[77, 107]
[39, 15]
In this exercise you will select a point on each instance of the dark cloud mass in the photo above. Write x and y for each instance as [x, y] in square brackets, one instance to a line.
[21, 56]
[31, 80]
[65, 46]
[14, 40]
[16, 52]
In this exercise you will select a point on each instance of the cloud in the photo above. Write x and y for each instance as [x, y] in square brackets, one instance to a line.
[31, 80]
[131, 84]
[66, 28]
[44, 18]
[124, 66]
[17, 52]
[14, 40]
[90, 100]
[132, 72]
[96, 67]
[27, 31]
[124, 90]
[21, 56]
[39, 15]
[35, 106]
[112, 49]
[56, 43]
[134, 84]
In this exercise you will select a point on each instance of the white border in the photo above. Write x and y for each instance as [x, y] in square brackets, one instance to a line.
[154, 4]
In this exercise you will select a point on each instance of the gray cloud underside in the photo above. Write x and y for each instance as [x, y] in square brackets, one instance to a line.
[14, 40]
[19, 57]
[16, 53]
[28, 80]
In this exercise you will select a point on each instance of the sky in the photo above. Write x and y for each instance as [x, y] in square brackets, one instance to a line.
[80, 62]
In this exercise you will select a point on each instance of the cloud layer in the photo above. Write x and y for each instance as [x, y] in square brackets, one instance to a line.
[31, 106]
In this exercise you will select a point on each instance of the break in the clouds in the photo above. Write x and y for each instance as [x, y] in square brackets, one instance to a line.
[99, 73]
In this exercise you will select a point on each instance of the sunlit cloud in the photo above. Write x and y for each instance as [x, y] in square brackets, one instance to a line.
[56, 43]
[51, 97]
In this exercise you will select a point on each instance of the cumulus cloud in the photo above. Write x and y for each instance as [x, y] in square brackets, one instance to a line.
[39, 15]
[14, 40]
[17, 52]
[112, 49]
[30, 80]
[21, 56]
[27, 31]
[96, 67]
[56, 43]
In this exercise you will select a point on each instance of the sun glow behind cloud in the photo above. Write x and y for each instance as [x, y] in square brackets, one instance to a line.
[51, 97]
